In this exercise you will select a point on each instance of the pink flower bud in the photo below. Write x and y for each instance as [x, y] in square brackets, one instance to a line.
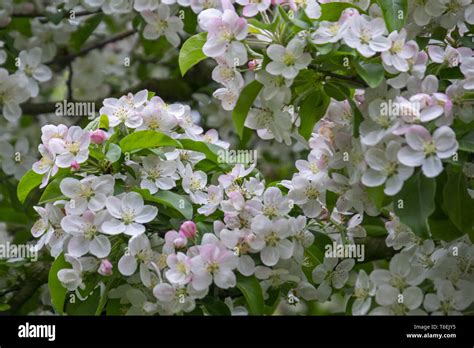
[75, 166]
[188, 229]
[98, 136]
[252, 64]
[105, 268]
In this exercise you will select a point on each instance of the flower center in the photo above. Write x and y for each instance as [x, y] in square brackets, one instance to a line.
[429, 148]
[212, 267]
[73, 148]
[365, 36]
[311, 192]
[396, 47]
[270, 210]
[272, 239]
[128, 217]
[289, 58]
[90, 232]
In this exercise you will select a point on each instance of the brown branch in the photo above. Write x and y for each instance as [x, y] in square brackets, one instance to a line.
[66, 59]
[42, 15]
[37, 275]
[168, 89]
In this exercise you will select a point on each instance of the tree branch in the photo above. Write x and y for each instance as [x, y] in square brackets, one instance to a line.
[66, 59]
[42, 15]
[37, 275]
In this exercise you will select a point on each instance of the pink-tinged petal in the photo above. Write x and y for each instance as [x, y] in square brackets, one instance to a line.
[78, 246]
[127, 265]
[436, 54]
[214, 48]
[380, 44]
[417, 136]
[201, 281]
[410, 157]
[432, 166]
[164, 292]
[431, 113]
[444, 138]
[100, 246]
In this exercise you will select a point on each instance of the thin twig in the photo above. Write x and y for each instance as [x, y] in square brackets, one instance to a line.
[42, 15]
[63, 60]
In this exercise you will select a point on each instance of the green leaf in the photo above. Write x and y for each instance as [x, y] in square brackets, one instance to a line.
[443, 229]
[191, 52]
[374, 226]
[214, 306]
[86, 307]
[415, 203]
[466, 143]
[336, 91]
[170, 199]
[457, 203]
[245, 101]
[146, 139]
[331, 11]
[104, 122]
[190, 20]
[28, 182]
[311, 110]
[4, 307]
[314, 254]
[52, 192]
[394, 13]
[377, 196]
[358, 118]
[113, 153]
[210, 150]
[252, 291]
[56, 290]
[371, 73]
[81, 35]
